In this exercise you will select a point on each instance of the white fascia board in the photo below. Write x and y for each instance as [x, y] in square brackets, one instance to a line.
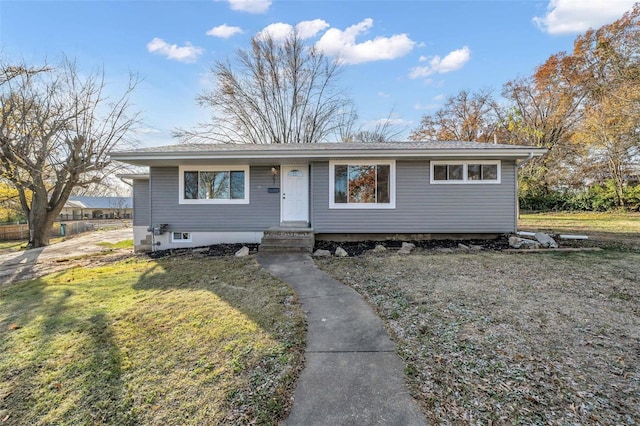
[327, 154]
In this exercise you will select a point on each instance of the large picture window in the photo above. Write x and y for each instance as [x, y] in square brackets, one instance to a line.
[465, 171]
[362, 184]
[214, 185]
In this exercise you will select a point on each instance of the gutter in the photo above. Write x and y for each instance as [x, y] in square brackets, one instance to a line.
[525, 161]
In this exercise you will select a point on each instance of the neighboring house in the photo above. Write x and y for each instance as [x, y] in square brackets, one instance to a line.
[197, 195]
[80, 208]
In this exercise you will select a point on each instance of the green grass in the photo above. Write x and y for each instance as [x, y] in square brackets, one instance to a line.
[119, 245]
[175, 341]
[20, 245]
[11, 246]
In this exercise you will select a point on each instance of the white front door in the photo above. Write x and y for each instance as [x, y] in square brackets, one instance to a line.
[295, 194]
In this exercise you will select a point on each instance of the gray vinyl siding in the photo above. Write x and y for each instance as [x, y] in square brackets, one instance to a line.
[421, 207]
[262, 212]
[141, 206]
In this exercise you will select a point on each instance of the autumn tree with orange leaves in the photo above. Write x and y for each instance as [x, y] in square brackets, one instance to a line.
[583, 106]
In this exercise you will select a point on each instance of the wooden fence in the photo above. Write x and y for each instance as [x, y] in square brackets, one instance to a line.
[21, 231]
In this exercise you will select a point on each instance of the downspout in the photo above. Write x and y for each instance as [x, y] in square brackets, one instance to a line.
[518, 166]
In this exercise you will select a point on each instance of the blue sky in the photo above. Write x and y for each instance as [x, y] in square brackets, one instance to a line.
[405, 56]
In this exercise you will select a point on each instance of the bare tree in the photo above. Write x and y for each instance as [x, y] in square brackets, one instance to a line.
[464, 117]
[276, 92]
[56, 130]
[385, 130]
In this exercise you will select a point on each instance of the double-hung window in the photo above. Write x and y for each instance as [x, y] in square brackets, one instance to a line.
[214, 184]
[362, 184]
[465, 171]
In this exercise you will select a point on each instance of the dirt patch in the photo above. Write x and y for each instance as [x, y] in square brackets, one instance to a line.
[550, 338]
[212, 250]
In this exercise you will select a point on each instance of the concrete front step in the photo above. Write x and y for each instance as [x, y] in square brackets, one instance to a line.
[274, 248]
[283, 239]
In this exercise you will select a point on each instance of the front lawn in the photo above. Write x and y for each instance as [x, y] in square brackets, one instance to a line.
[179, 340]
[496, 338]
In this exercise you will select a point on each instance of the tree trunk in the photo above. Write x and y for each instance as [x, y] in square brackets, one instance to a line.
[40, 222]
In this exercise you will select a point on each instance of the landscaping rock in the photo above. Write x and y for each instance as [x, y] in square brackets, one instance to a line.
[444, 250]
[321, 253]
[463, 246]
[545, 240]
[340, 252]
[475, 247]
[201, 250]
[244, 251]
[523, 243]
[406, 248]
[380, 248]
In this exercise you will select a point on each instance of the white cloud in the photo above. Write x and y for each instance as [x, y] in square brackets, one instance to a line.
[308, 29]
[422, 59]
[577, 16]
[251, 6]
[452, 62]
[279, 31]
[224, 31]
[439, 97]
[384, 95]
[342, 44]
[187, 53]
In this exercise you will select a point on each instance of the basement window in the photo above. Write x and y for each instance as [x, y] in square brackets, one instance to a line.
[181, 237]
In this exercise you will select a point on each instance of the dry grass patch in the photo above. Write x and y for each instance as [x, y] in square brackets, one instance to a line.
[180, 340]
[608, 229]
[511, 338]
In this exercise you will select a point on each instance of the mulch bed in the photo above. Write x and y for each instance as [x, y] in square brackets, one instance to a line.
[354, 248]
[357, 248]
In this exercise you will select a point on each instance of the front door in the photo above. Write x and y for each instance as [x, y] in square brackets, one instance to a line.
[295, 194]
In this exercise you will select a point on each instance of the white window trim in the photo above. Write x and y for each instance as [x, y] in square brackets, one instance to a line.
[173, 240]
[182, 169]
[375, 206]
[465, 180]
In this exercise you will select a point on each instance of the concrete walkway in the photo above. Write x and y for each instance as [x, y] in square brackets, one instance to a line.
[352, 375]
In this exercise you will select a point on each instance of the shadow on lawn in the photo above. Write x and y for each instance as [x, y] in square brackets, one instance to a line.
[58, 364]
[254, 331]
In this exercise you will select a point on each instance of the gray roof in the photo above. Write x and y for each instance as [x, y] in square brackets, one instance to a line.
[181, 153]
[99, 202]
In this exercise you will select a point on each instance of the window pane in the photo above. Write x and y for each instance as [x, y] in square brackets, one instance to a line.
[473, 172]
[362, 184]
[221, 185]
[177, 235]
[340, 184]
[237, 185]
[190, 185]
[205, 185]
[489, 172]
[439, 172]
[383, 184]
[455, 171]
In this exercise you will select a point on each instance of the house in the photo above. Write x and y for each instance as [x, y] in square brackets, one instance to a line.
[198, 194]
[80, 208]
